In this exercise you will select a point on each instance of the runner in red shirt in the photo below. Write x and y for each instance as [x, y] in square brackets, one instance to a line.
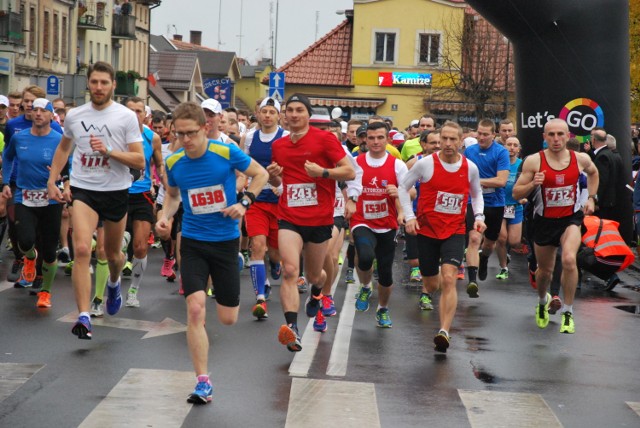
[447, 178]
[307, 163]
[553, 174]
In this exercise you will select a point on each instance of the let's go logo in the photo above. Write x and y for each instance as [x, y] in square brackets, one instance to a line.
[582, 115]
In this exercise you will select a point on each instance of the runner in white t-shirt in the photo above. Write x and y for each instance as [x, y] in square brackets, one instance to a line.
[108, 144]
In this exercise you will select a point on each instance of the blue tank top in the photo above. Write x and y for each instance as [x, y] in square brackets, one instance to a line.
[144, 183]
[261, 152]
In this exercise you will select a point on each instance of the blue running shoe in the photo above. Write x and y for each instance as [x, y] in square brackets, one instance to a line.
[276, 270]
[313, 305]
[240, 262]
[362, 299]
[114, 299]
[82, 328]
[383, 318]
[22, 283]
[328, 306]
[202, 394]
[320, 323]
[267, 291]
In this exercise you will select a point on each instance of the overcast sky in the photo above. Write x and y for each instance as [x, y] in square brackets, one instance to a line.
[296, 24]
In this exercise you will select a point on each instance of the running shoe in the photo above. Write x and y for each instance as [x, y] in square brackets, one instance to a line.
[36, 286]
[542, 313]
[22, 283]
[461, 271]
[126, 269]
[29, 268]
[203, 393]
[482, 268]
[303, 286]
[611, 283]
[97, 308]
[289, 337]
[425, 303]
[267, 291]
[114, 299]
[172, 277]
[82, 328]
[375, 269]
[383, 318]
[504, 274]
[211, 292]
[441, 341]
[44, 299]
[241, 262]
[328, 306]
[132, 298]
[313, 305]
[472, 290]
[245, 253]
[68, 269]
[16, 269]
[63, 256]
[260, 310]
[415, 275]
[567, 325]
[167, 267]
[555, 305]
[320, 323]
[152, 239]
[362, 299]
[276, 270]
[349, 278]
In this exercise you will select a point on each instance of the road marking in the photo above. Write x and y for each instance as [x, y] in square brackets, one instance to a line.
[145, 398]
[310, 339]
[5, 285]
[153, 329]
[339, 358]
[506, 409]
[634, 406]
[335, 403]
[13, 376]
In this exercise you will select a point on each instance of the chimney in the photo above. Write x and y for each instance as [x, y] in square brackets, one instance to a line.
[177, 37]
[196, 37]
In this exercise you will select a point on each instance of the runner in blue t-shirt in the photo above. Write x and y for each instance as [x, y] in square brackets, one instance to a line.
[203, 173]
[493, 163]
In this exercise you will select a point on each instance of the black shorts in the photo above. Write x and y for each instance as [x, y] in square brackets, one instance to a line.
[141, 207]
[435, 251]
[340, 223]
[218, 260]
[548, 231]
[492, 218]
[313, 234]
[110, 205]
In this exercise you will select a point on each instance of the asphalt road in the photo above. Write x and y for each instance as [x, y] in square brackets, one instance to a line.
[501, 370]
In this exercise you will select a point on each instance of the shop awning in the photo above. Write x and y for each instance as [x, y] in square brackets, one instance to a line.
[346, 102]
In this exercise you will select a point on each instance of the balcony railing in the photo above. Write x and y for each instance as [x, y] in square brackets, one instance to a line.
[91, 15]
[11, 28]
[124, 27]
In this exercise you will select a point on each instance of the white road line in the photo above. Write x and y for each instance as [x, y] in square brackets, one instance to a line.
[5, 285]
[153, 329]
[13, 376]
[339, 357]
[506, 409]
[145, 398]
[302, 360]
[335, 403]
[634, 406]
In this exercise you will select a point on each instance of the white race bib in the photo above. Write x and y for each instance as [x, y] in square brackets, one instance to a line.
[486, 190]
[509, 211]
[93, 163]
[302, 195]
[449, 203]
[206, 200]
[375, 209]
[338, 206]
[560, 196]
[35, 198]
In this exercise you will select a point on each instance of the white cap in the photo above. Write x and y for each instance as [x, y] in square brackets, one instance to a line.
[344, 126]
[270, 102]
[212, 105]
[147, 109]
[469, 141]
[43, 103]
[414, 122]
[398, 137]
[4, 101]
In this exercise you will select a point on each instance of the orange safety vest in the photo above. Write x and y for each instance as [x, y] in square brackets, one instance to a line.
[610, 243]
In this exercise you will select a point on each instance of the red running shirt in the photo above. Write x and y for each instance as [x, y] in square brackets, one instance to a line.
[558, 194]
[375, 209]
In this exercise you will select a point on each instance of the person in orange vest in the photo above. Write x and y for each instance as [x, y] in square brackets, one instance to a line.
[610, 253]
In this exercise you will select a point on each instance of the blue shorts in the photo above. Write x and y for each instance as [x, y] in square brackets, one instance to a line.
[517, 214]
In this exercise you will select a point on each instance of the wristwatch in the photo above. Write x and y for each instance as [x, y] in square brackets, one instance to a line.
[245, 203]
[325, 173]
[108, 152]
[594, 197]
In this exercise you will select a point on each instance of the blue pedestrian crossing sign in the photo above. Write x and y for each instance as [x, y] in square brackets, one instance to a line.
[276, 86]
[53, 85]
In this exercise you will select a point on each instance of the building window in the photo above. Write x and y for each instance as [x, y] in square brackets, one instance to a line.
[32, 29]
[56, 35]
[385, 47]
[63, 37]
[429, 48]
[46, 33]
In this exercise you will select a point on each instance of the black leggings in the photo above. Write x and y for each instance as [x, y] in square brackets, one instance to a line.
[380, 246]
[41, 225]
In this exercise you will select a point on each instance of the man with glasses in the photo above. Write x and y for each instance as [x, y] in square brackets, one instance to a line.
[203, 175]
